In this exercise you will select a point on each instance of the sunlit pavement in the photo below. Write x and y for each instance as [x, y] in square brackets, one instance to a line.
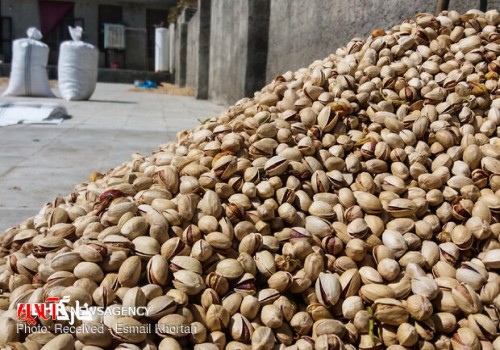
[40, 162]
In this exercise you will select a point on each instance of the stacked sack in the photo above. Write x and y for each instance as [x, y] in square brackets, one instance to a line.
[77, 67]
[29, 67]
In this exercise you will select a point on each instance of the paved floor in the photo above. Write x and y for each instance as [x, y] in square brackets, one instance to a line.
[39, 162]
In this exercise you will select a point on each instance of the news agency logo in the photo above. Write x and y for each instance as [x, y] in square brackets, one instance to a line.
[57, 309]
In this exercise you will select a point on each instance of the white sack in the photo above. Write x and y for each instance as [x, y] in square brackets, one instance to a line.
[28, 76]
[77, 67]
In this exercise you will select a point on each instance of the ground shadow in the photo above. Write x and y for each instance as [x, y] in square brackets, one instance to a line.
[114, 101]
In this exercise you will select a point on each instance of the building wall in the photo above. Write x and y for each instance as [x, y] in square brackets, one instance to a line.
[89, 11]
[25, 14]
[301, 34]
[464, 5]
[303, 31]
[134, 17]
[228, 50]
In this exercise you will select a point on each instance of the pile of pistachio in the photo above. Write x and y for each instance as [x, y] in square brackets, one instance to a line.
[353, 204]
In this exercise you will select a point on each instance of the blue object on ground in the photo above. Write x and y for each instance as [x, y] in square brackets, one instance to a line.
[148, 84]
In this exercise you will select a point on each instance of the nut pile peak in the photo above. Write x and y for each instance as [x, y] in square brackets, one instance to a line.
[352, 204]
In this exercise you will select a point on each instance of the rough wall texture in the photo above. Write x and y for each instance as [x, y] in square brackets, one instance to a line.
[464, 5]
[303, 31]
[192, 50]
[228, 50]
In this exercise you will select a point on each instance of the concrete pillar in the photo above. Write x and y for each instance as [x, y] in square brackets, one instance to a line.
[201, 89]
[192, 51]
[181, 53]
[171, 51]
[238, 48]
[258, 37]
[181, 44]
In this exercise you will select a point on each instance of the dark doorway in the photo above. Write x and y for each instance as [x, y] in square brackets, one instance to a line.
[52, 13]
[5, 39]
[154, 19]
[109, 14]
[55, 17]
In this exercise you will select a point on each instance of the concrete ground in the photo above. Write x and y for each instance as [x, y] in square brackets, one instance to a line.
[40, 162]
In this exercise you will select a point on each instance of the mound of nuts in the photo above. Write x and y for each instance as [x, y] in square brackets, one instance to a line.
[353, 204]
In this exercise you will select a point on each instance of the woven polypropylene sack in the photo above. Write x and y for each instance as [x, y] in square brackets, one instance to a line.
[77, 70]
[28, 75]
